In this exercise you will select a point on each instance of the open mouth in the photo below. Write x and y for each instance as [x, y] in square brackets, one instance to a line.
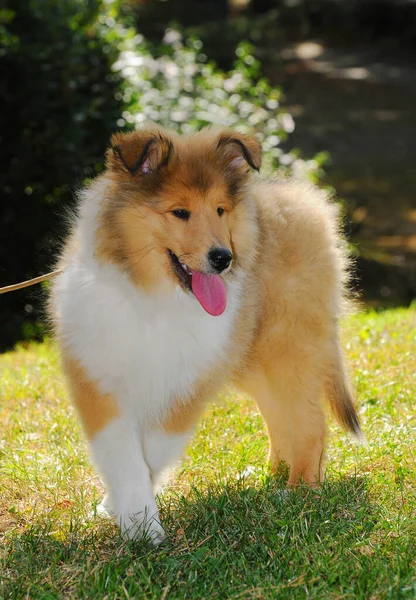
[182, 272]
[209, 290]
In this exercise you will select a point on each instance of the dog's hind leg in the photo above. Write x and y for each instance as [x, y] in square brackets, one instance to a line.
[290, 403]
[275, 416]
[300, 391]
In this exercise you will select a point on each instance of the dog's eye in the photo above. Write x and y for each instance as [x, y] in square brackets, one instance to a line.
[181, 213]
[220, 211]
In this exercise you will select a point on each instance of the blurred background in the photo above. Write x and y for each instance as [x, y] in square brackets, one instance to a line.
[329, 86]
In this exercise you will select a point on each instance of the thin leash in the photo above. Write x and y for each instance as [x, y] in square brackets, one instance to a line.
[23, 284]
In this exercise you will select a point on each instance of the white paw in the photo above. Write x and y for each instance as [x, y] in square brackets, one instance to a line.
[104, 508]
[142, 525]
[134, 524]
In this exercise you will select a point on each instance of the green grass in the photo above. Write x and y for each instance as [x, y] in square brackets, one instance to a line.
[231, 532]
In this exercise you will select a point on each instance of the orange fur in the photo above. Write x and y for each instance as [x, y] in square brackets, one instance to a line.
[183, 415]
[95, 409]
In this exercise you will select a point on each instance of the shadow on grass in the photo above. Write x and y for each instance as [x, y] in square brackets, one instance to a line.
[224, 541]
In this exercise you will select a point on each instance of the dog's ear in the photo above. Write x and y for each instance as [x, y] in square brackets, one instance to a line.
[240, 151]
[140, 152]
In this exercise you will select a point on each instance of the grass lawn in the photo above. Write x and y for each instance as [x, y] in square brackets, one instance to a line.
[231, 532]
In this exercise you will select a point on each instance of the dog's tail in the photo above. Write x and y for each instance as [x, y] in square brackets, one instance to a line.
[339, 394]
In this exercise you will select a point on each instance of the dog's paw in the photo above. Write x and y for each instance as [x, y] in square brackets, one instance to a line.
[139, 526]
[104, 509]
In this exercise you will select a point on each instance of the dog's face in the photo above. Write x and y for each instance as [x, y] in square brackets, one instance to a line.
[177, 211]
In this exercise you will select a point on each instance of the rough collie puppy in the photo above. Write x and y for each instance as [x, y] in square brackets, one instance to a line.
[185, 271]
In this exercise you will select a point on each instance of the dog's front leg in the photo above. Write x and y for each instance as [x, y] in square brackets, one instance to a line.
[117, 451]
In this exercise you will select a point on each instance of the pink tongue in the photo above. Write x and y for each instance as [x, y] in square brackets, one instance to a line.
[210, 292]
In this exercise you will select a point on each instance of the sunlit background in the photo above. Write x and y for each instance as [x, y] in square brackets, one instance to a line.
[329, 86]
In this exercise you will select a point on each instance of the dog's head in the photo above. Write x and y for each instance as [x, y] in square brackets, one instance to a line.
[177, 209]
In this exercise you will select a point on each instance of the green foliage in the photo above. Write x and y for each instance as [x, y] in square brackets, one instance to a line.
[58, 102]
[176, 86]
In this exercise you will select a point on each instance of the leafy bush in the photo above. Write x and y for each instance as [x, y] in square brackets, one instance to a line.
[75, 72]
[58, 103]
[177, 87]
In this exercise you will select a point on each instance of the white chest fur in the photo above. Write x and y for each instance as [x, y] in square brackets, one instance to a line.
[144, 349]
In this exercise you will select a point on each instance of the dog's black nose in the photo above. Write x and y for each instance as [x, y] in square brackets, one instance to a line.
[220, 259]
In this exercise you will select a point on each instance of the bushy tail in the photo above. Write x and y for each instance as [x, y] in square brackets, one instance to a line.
[339, 394]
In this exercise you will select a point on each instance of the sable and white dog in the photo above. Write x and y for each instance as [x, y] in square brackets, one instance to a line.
[183, 272]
